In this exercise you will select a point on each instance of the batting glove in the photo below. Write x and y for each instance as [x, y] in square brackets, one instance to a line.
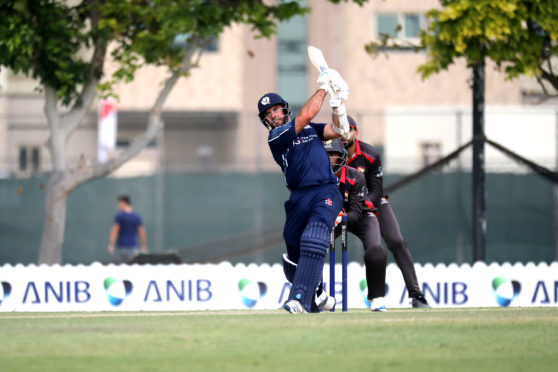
[344, 126]
[337, 106]
[338, 85]
[324, 81]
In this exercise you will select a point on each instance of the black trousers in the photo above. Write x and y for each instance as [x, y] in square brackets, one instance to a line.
[389, 228]
[375, 256]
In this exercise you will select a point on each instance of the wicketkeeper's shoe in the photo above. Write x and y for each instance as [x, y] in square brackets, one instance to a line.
[293, 307]
[420, 301]
[324, 301]
[378, 304]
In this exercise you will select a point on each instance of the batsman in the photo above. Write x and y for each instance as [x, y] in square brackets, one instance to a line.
[314, 202]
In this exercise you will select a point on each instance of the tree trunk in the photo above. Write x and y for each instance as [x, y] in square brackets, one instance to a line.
[55, 220]
[64, 180]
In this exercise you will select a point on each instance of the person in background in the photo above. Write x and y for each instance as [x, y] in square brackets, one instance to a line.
[125, 230]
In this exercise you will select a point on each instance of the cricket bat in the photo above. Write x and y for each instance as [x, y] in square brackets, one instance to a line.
[317, 58]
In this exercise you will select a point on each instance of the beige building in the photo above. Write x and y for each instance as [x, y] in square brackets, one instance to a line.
[211, 118]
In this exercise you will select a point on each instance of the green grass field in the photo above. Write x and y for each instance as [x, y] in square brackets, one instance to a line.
[500, 339]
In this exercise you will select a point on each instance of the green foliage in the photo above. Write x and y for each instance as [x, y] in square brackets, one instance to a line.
[43, 39]
[518, 35]
[54, 41]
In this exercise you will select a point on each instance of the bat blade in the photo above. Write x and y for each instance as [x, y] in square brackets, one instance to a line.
[317, 58]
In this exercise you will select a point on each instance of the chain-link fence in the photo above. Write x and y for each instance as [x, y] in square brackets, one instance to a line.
[239, 217]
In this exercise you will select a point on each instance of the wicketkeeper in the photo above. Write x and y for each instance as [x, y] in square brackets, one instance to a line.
[366, 159]
[361, 221]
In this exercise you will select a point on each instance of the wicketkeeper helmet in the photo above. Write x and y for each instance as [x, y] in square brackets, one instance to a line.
[336, 146]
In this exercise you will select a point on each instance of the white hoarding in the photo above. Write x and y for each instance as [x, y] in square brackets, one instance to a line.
[223, 286]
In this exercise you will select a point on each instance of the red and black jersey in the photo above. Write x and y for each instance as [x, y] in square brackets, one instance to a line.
[366, 160]
[353, 190]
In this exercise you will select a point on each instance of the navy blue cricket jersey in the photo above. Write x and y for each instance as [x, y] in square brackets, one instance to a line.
[129, 223]
[302, 157]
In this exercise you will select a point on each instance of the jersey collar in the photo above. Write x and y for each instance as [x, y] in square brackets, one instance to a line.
[357, 152]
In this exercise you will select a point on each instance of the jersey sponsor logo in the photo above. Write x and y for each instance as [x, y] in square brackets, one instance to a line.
[361, 169]
[328, 202]
[380, 172]
[304, 139]
[361, 193]
[265, 101]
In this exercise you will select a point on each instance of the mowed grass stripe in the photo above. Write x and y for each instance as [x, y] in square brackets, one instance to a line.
[44, 315]
[406, 339]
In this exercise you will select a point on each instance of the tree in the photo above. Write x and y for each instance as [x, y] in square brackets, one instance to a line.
[520, 36]
[64, 45]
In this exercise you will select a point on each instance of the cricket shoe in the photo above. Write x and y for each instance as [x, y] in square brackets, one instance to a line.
[325, 302]
[378, 304]
[420, 302]
[293, 307]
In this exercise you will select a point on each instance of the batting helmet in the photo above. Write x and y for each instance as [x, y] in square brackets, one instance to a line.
[269, 100]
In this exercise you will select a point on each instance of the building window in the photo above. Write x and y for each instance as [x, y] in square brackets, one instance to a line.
[22, 159]
[29, 159]
[412, 25]
[403, 27]
[431, 152]
[292, 61]
[35, 159]
[387, 24]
